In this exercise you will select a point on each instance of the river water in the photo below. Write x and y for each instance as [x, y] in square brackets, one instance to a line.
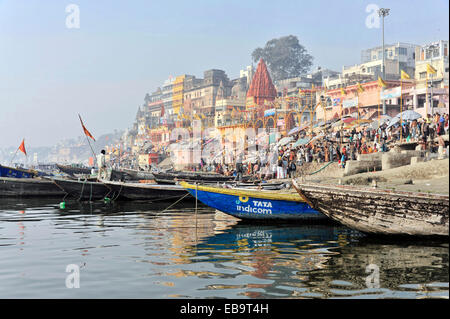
[138, 250]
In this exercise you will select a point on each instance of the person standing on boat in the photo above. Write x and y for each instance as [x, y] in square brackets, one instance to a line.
[101, 163]
[239, 168]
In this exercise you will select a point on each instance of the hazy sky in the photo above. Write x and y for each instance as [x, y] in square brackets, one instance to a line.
[124, 49]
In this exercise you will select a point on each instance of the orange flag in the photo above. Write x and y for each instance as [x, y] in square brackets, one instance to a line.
[85, 129]
[22, 147]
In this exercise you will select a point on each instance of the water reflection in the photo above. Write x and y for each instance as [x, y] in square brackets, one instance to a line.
[151, 252]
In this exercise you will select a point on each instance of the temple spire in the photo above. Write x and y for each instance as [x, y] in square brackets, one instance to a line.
[262, 87]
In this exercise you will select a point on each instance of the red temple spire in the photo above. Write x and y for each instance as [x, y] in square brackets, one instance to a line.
[262, 87]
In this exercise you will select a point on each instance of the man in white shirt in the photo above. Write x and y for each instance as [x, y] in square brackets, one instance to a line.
[101, 163]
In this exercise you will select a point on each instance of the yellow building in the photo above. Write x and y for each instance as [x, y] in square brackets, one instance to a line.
[436, 55]
[177, 94]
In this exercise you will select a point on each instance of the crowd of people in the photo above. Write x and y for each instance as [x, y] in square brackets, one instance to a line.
[333, 144]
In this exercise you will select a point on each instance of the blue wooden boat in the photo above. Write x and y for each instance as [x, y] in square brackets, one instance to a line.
[254, 204]
[6, 171]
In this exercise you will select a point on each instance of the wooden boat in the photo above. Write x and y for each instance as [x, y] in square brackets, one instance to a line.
[28, 187]
[72, 170]
[135, 175]
[192, 177]
[254, 204]
[138, 191]
[6, 171]
[83, 190]
[265, 186]
[378, 211]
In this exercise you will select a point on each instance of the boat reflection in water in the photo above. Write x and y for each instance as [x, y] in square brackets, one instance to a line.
[157, 251]
[309, 261]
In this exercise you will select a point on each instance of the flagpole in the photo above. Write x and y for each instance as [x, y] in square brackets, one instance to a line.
[401, 109]
[426, 96]
[93, 153]
[10, 163]
[378, 108]
[84, 129]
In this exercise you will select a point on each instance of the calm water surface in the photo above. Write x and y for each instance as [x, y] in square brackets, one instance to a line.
[134, 250]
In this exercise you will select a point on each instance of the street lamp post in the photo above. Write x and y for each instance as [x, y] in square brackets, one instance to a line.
[383, 12]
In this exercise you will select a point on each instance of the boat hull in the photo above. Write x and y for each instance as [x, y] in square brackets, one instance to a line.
[6, 171]
[83, 190]
[136, 191]
[28, 187]
[380, 212]
[73, 170]
[257, 205]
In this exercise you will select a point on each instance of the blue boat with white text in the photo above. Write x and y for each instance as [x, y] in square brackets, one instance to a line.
[254, 204]
[6, 171]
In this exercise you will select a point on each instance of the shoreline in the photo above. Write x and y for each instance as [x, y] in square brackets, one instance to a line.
[426, 177]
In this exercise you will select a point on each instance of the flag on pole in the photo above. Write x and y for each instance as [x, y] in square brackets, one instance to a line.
[22, 147]
[404, 75]
[85, 129]
[430, 69]
[381, 83]
[360, 88]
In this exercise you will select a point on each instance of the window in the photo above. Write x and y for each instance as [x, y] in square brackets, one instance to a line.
[422, 75]
[436, 52]
[402, 51]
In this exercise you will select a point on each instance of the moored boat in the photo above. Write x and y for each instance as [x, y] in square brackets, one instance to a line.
[254, 204]
[378, 211]
[28, 187]
[139, 191]
[6, 171]
[173, 177]
[136, 175]
[83, 190]
[72, 170]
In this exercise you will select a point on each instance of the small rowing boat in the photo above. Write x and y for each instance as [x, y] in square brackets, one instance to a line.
[254, 204]
[378, 211]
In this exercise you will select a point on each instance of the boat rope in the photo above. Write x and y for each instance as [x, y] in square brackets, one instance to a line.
[322, 168]
[164, 199]
[54, 182]
[118, 194]
[174, 203]
[82, 189]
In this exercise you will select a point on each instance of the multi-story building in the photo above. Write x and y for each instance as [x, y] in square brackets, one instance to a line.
[247, 73]
[436, 55]
[430, 93]
[167, 98]
[398, 56]
[201, 97]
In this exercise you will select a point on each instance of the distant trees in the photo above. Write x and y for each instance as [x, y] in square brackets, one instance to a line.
[285, 57]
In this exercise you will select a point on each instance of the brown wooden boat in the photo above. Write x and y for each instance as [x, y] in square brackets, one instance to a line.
[29, 187]
[378, 211]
